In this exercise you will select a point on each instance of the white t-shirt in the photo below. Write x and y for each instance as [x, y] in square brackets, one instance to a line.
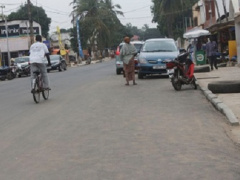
[37, 52]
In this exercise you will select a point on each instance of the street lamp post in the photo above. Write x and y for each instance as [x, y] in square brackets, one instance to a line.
[9, 56]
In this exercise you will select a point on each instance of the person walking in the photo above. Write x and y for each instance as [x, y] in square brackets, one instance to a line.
[127, 54]
[211, 50]
[38, 51]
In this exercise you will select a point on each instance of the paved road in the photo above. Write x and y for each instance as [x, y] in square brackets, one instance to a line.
[95, 128]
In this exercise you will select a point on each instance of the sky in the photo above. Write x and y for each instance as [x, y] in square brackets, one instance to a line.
[136, 12]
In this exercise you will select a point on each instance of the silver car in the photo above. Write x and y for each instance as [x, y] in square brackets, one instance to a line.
[119, 63]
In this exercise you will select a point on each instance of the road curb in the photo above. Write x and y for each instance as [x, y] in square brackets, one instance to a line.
[93, 62]
[219, 105]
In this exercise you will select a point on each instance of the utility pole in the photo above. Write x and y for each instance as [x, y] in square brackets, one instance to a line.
[0, 49]
[183, 18]
[30, 22]
[6, 28]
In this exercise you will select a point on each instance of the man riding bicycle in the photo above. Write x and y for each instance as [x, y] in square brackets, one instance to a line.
[38, 51]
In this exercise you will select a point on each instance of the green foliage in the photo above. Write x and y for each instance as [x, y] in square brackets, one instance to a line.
[173, 12]
[38, 15]
[99, 23]
[144, 33]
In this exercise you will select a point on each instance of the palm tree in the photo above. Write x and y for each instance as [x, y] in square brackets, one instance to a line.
[99, 21]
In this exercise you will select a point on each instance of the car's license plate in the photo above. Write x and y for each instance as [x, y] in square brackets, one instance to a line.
[159, 67]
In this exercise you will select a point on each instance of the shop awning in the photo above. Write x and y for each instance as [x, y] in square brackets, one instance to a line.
[195, 33]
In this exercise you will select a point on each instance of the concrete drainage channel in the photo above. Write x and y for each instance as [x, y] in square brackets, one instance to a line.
[220, 106]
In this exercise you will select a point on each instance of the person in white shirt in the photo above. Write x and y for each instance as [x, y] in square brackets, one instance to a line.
[38, 51]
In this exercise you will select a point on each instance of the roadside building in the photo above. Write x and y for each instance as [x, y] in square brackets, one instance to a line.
[236, 4]
[18, 41]
[66, 42]
[222, 19]
[224, 27]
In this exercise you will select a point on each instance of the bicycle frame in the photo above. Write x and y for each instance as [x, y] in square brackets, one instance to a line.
[37, 85]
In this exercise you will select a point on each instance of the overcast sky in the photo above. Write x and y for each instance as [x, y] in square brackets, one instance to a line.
[136, 12]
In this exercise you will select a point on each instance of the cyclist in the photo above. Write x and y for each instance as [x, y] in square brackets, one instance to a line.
[37, 52]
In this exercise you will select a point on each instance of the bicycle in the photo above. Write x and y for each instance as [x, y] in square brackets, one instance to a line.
[38, 88]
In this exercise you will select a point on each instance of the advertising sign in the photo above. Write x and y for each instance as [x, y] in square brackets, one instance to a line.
[13, 30]
[25, 31]
[79, 39]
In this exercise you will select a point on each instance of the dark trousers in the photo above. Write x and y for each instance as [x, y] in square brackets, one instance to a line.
[213, 61]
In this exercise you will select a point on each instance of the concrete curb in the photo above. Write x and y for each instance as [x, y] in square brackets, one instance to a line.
[219, 105]
[93, 62]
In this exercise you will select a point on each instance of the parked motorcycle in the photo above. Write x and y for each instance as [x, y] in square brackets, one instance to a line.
[88, 60]
[181, 72]
[23, 70]
[7, 72]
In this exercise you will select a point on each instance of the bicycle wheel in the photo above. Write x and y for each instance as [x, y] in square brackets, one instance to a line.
[45, 94]
[36, 92]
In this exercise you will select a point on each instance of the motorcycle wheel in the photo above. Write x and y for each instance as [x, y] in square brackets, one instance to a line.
[3, 78]
[193, 83]
[10, 75]
[176, 83]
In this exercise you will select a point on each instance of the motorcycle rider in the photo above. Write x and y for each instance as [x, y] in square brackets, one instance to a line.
[37, 52]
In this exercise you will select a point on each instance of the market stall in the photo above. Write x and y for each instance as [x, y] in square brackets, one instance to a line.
[199, 53]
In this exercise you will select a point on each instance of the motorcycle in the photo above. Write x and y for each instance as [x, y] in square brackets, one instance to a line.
[88, 60]
[181, 72]
[23, 70]
[7, 72]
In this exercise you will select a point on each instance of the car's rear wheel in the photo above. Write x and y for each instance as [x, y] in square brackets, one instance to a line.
[65, 67]
[140, 75]
[118, 71]
[60, 68]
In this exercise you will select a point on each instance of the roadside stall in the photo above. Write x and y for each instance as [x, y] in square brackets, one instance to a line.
[196, 34]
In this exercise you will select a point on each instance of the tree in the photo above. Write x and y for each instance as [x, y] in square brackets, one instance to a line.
[144, 33]
[38, 15]
[168, 15]
[98, 22]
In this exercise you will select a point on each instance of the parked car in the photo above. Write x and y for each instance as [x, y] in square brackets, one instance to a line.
[154, 54]
[22, 66]
[58, 63]
[119, 63]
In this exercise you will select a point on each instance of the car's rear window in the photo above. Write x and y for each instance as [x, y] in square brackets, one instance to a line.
[54, 57]
[137, 46]
[159, 46]
[22, 60]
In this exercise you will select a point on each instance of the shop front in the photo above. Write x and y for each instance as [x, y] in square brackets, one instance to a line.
[15, 40]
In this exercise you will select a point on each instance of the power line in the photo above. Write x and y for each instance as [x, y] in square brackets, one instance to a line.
[134, 10]
[145, 17]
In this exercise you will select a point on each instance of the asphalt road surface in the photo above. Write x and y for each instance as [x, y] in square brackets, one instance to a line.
[95, 128]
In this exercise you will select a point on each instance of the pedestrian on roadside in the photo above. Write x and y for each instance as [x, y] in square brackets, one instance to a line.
[127, 54]
[211, 50]
[38, 51]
